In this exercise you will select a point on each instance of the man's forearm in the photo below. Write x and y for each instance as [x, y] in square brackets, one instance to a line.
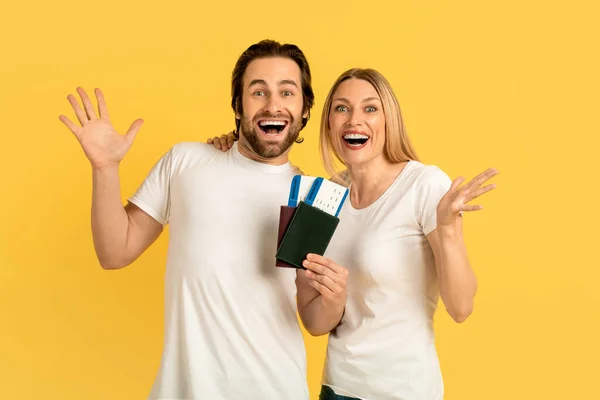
[109, 218]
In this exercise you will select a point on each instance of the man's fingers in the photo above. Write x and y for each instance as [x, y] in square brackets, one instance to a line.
[134, 128]
[71, 125]
[79, 113]
[102, 108]
[87, 104]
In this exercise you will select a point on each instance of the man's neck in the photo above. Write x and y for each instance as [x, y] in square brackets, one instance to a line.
[247, 151]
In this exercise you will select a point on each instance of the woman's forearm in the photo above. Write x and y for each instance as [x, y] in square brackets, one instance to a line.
[458, 283]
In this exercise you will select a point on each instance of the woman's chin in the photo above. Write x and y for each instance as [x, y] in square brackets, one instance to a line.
[359, 159]
[354, 159]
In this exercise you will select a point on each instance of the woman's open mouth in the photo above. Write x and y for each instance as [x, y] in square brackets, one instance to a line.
[355, 140]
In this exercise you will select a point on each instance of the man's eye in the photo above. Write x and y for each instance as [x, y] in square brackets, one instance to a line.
[287, 93]
[259, 93]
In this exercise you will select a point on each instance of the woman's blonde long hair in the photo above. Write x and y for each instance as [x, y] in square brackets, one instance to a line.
[398, 147]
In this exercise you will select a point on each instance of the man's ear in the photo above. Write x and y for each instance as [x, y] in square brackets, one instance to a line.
[238, 114]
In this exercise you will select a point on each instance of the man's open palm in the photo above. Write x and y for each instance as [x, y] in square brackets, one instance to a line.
[102, 144]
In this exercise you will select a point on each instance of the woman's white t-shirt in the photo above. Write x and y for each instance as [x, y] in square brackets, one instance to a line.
[384, 347]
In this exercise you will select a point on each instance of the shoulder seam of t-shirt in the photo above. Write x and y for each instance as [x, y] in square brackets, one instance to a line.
[170, 177]
[162, 219]
[414, 188]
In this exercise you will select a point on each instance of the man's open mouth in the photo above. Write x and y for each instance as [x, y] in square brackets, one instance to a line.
[271, 127]
[355, 139]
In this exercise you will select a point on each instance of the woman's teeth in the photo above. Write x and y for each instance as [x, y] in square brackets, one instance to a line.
[355, 139]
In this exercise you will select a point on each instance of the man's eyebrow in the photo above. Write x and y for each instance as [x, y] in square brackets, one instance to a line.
[288, 82]
[257, 82]
[263, 82]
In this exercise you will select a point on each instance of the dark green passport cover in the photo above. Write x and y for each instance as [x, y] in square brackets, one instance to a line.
[309, 231]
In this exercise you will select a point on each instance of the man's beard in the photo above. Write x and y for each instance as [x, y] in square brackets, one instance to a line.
[266, 148]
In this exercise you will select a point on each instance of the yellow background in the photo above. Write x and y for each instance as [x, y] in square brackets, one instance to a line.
[512, 85]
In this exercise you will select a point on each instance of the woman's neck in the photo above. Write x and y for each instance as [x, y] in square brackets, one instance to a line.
[370, 180]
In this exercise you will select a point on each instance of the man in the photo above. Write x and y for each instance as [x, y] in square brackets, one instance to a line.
[231, 330]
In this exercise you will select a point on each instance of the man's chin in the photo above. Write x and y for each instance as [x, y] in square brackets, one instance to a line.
[270, 146]
[270, 139]
[270, 150]
[275, 145]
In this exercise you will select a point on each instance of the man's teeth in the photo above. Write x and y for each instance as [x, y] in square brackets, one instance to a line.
[355, 136]
[263, 123]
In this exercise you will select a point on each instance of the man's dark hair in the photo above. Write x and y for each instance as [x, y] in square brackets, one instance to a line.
[265, 49]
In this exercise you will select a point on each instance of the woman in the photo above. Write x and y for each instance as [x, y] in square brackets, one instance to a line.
[400, 238]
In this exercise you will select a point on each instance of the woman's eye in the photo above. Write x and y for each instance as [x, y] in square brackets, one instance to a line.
[341, 108]
[371, 109]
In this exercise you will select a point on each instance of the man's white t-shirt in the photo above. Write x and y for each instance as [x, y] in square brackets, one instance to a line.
[384, 347]
[231, 330]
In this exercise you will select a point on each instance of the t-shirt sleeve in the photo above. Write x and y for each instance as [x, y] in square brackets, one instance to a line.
[431, 186]
[154, 195]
